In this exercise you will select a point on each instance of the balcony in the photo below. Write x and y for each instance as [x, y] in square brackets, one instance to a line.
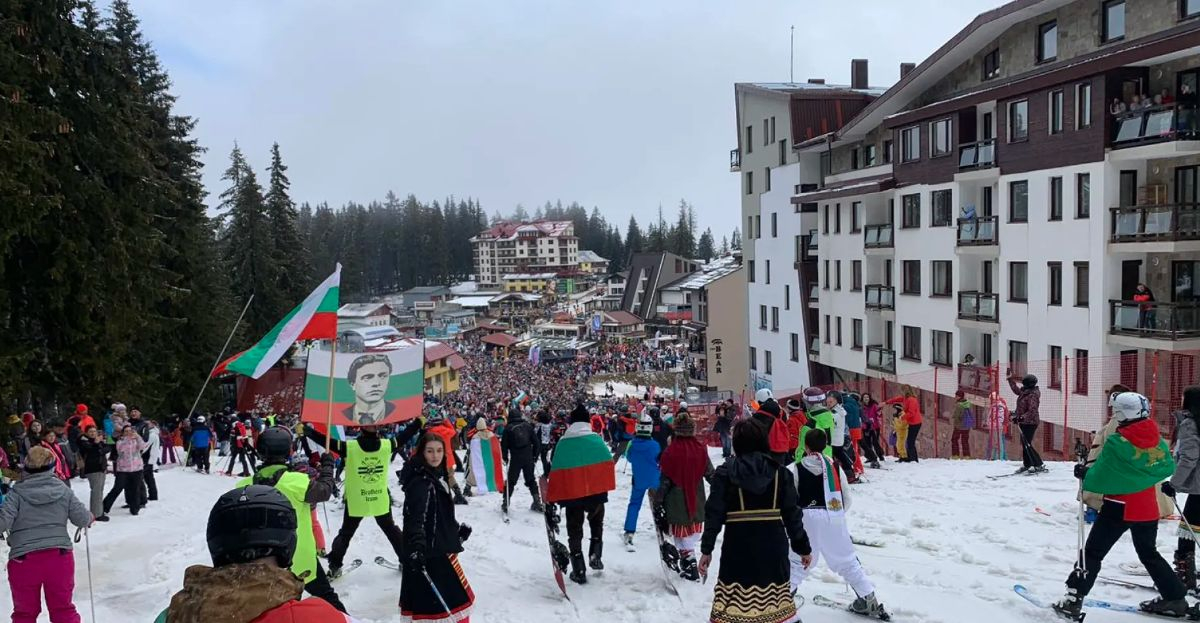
[1157, 323]
[978, 307]
[1157, 124]
[878, 236]
[814, 242]
[881, 359]
[981, 231]
[814, 346]
[735, 160]
[814, 295]
[1164, 226]
[976, 380]
[977, 155]
[880, 297]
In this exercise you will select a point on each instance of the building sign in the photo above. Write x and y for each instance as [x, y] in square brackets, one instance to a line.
[714, 350]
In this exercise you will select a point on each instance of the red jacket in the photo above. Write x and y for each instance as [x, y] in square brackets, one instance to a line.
[598, 424]
[795, 422]
[1143, 505]
[912, 408]
[311, 610]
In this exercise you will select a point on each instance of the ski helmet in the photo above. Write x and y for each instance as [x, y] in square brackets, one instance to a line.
[1130, 406]
[763, 395]
[250, 523]
[274, 445]
[1029, 381]
[645, 425]
[200, 419]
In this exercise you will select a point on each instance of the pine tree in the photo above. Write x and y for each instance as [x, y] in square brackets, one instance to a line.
[704, 249]
[295, 275]
[682, 240]
[735, 241]
[249, 248]
[724, 250]
[633, 237]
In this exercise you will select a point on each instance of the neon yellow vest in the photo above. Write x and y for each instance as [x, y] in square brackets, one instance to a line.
[294, 486]
[366, 480]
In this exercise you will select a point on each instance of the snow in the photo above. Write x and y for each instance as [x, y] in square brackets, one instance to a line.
[955, 543]
[627, 390]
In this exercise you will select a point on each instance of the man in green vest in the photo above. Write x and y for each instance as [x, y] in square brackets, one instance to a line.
[819, 416]
[274, 449]
[366, 491]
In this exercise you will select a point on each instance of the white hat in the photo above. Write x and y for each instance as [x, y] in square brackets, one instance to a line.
[763, 395]
[683, 405]
[1130, 406]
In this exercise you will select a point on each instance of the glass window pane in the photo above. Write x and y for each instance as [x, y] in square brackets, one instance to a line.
[1114, 20]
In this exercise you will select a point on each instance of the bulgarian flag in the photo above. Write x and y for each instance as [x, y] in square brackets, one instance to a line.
[582, 466]
[487, 468]
[314, 319]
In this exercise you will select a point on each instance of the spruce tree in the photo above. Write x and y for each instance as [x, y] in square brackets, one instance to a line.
[249, 248]
[704, 249]
[296, 276]
[633, 237]
[682, 240]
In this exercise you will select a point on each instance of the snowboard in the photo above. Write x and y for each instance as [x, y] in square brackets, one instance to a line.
[839, 604]
[347, 568]
[558, 551]
[668, 555]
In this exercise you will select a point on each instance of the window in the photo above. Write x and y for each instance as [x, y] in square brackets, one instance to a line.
[828, 330]
[1189, 8]
[941, 211]
[775, 319]
[1081, 371]
[1018, 121]
[991, 64]
[766, 132]
[1018, 202]
[1047, 43]
[1018, 358]
[1113, 18]
[772, 129]
[1018, 282]
[911, 338]
[943, 348]
[787, 297]
[837, 274]
[798, 242]
[766, 180]
[888, 150]
[856, 284]
[774, 224]
[751, 274]
[749, 179]
[869, 156]
[856, 334]
[856, 217]
[942, 284]
[837, 218]
[757, 226]
[1054, 270]
[939, 138]
[910, 144]
[1083, 195]
[1056, 199]
[1081, 284]
[753, 358]
[825, 282]
[749, 139]
[825, 221]
[1056, 112]
[854, 159]
[910, 211]
[910, 277]
[1055, 367]
[1083, 105]
[762, 317]
[839, 331]
[795, 347]
[783, 152]
[768, 271]
[767, 361]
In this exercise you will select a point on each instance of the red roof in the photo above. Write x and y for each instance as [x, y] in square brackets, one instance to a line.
[500, 339]
[623, 318]
[491, 326]
[456, 362]
[508, 229]
[437, 350]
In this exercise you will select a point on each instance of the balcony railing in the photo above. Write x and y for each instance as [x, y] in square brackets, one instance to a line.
[735, 159]
[978, 155]
[979, 231]
[814, 293]
[881, 359]
[980, 306]
[878, 236]
[814, 345]
[880, 297]
[1156, 223]
[1171, 122]
[976, 380]
[814, 241]
[1156, 320]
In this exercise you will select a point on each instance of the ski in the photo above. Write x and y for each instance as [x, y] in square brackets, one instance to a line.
[1087, 603]
[387, 564]
[839, 604]
[559, 556]
[1005, 476]
[866, 543]
[1126, 583]
[1133, 568]
[347, 568]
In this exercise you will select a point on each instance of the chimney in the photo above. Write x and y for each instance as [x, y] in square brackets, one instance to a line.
[858, 73]
[816, 81]
[905, 68]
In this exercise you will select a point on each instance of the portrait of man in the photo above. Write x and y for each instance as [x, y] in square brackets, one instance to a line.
[369, 377]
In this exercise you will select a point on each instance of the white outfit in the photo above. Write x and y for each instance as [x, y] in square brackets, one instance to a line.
[839, 426]
[688, 543]
[829, 535]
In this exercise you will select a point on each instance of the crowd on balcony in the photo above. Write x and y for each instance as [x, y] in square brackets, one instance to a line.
[1142, 102]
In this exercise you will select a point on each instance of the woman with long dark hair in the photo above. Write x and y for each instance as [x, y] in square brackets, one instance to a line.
[872, 429]
[1187, 480]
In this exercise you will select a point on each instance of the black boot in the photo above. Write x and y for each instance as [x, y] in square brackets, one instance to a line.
[595, 552]
[1165, 607]
[1069, 607]
[687, 568]
[537, 505]
[1185, 569]
[578, 570]
[458, 497]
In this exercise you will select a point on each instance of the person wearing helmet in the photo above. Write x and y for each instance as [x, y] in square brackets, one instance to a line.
[275, 450]
[643, 455]
[200, 443]
[519, 447]
[251, 538]
[662, 432]
[1027, 417]
[1128, 472]
[819, 416]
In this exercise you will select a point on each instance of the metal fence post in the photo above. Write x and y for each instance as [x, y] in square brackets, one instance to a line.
[937, 412]
[1066, 392]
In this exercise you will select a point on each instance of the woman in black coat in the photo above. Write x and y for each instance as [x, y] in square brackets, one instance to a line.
[432, 540]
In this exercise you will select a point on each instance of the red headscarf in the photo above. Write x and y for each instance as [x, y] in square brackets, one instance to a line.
[685, 462]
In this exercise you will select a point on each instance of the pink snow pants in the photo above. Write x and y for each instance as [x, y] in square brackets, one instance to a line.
[52, 570]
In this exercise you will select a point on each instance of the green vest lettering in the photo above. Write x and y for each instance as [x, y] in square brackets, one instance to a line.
[366, 480]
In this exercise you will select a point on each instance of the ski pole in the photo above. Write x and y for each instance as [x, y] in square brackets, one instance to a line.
[87, 548]
[438, 594]
[1183, 520]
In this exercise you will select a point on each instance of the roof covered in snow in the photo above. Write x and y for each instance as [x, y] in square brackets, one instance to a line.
[363, 310]
[508, 230]
[590, 256]
[709, 273]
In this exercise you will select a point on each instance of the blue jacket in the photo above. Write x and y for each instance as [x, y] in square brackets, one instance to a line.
[643, 456]
[201, 437]
[853, 411]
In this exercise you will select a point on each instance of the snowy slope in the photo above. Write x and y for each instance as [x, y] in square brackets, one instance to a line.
[956, 542]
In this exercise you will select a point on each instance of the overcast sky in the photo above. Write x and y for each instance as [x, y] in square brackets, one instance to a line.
[620, 104]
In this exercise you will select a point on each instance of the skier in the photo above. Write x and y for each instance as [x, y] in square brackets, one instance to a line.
[662, 430]
[796, 421]
[769, 419]
[824, 502]
[854, 428]
[275, 449]
[820, 417]
[240, 438]
[518, 447]
[127, 476]
[754, 499]
[1027, 417]
[680, 509]
[34, 515]
[252, 540]
[625, 432]
[366, 492]
[1132, 463]
[1187, 480]
[838, 437]
[201, 439]
[643, 457]
[544, 426]
[581, 475]
[433, 580]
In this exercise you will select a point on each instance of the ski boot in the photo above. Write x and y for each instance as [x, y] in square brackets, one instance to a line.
[467, 491]
[578, 569]
[537, 505]
[1070, 606]
[628, 540]
[869, 607]
[875, 465]
[1185, 569]
[595, 551]
[335, 572]
[1165, 607]
[1022, 470]
[504, 505]
[1034, 471]
[687, 567]
[669, 555]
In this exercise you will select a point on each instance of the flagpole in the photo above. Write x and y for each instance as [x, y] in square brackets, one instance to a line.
[219, 357]
[329, 406]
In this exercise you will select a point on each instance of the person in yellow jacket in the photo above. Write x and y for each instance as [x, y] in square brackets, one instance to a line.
[900, 426]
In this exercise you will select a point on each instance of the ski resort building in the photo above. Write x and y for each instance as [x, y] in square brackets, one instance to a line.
[536, 247]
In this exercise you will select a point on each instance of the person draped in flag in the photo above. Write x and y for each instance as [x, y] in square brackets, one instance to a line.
[485, 468]
[820, 486]
[519, 447]
[581, 475]
[365, 491]
[680, 508]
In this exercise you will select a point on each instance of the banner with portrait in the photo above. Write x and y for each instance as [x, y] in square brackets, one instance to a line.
[368, 388]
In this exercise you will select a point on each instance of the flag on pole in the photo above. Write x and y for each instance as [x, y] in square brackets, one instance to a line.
[313, 319]
[487, 468]
[535, 354]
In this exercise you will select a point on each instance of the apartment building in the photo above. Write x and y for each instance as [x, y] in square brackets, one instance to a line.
[778, 242]
[536, 247]
[1004, 200]
[715, 329]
